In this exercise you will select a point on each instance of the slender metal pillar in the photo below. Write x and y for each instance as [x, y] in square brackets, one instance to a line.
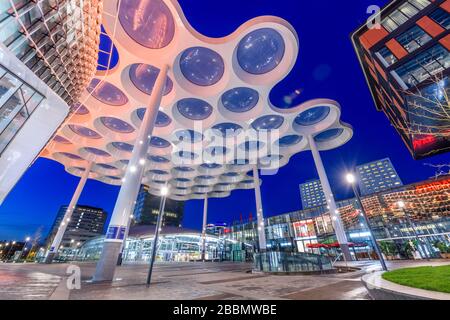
[366, 219]
[259, 211]
[52, 252]
[122, 246]
[130, 186]
[334, 213]
[155, 239]
[205, 217]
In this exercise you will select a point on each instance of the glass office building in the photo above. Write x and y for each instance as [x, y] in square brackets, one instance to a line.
[312, 195]
[146, 209]
[376, 176]
[426, 213]
[406, 62]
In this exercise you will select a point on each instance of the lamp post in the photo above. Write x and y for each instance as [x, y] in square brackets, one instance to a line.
[164, 192]
[205, 215]
[401, 205]
[27, 239]
[351, 180]
[9, 251]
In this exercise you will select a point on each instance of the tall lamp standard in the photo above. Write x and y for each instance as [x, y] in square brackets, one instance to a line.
[27, 239]
[164, 192]
[351, 180]
[9, 251]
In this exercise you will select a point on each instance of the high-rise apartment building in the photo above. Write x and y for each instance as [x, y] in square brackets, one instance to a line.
[376, 176]
[48, 54]
[312, 194]
[86, 223]
[406, 61]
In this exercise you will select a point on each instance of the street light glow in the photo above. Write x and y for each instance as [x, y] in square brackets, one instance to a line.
[350, 178]
[27, 239]
[164, 191]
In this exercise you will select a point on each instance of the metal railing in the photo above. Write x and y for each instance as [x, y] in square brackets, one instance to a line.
[276, 261]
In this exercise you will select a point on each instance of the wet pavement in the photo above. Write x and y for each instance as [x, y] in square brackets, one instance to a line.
[187, 281]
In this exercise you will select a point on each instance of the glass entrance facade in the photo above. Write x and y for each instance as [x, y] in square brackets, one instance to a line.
[18, 100]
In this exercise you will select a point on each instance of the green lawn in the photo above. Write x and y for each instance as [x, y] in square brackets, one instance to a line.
[428, 278]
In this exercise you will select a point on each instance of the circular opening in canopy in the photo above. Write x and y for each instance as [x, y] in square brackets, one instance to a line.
[150, 23]
[240, 99]
[312, 116]
[61, 139]
[260, 51]
[158, 171]
[84, 132]
[189, 136]
[187, 154]
[210, 165]
[227, 129]
[107, 93]
[80, 109]
[205, 177]
[289, 140]
[159, 159]
[159, 142]
[328, 135]
[201, 66]
[106, 166]
[182, 179]
[97, 152]
[71, 156]
[116, 125]
[268, 122]
[143, 76]
[194, 109]
[250, 146]
[162, 119]
[123, 146]
[231, 174]
[216, 150]
[184, 169]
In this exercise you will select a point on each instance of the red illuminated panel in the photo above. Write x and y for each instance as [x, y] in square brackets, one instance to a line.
[445, 41]
[396, 48]
[446, 6]
[372, 37]
[430, 27]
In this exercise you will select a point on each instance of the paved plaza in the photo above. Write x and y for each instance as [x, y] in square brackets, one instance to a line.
[187, 281]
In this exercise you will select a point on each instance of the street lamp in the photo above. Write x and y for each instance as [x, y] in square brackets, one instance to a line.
[164, 192]
[9, 251]
[24, 248]
[351, 180]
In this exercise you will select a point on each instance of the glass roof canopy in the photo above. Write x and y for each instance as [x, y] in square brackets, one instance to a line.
[215, 121]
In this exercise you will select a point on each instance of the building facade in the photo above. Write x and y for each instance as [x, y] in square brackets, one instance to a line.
[147, 205]
[406, 62]
[312, 195]
[48, 53]
[86, 223]
[427, 205]
[376, 176]
[176, 244]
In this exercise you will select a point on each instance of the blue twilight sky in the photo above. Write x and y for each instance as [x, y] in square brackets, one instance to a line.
[327, 67]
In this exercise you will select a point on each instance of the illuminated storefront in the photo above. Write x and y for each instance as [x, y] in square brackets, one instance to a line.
[426, 213]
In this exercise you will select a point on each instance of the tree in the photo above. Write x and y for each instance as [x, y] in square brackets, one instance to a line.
[428, 109]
